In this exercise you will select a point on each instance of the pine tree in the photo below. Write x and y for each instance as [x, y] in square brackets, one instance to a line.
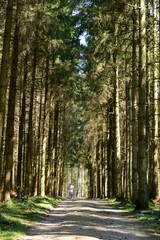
[143, 201]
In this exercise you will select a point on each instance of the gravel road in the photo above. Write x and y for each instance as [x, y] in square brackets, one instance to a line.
[77, 219]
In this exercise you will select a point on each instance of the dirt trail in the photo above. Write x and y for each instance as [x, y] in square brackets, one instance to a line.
[87, 220]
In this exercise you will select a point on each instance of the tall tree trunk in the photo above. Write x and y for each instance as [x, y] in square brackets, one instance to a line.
[61, 172]
[78, 180]
[55, 146]
[3, 78]
[90, 174]
[22, 125]
[127, 169]
[50, 145]
[63, 150]
[8, 154]
[143, 201]
[98, 163]
[83, 181]
[150, 100]
[37, 163]
[117, 139]
[103, 165]
[4, 65]
[113, 154]
[94, 179]
[59, 152]
[29, 153]
[134, 107]
[154, 183]
[109, 150]
[45, 132]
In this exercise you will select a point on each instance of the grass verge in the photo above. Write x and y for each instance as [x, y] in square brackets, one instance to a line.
[150, 217]
[17, 215]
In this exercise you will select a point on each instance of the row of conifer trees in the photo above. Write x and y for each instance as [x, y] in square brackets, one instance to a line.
[123, 67]
[37, 68]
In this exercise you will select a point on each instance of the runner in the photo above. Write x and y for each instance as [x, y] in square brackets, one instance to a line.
[71, 190]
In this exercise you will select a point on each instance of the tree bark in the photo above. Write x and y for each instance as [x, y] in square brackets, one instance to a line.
[3, 78]
[134, 107]
[38, 162]
[103, 165]
[117, 118]
[109, 150]
[29, 153]
[50, 145]
[98, 163]
[154, 183]
[127, 169]
[55, 146]
[45, 133]
[63, 150]
[143, 201]
[8, 154]
[90, 175]
[22, 125]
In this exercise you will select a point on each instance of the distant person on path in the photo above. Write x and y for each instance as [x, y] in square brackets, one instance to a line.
[71, 190]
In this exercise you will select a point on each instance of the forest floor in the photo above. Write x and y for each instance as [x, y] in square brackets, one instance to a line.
[76, 219]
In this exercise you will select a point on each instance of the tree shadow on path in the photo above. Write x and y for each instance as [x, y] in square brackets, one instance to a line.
[88, 219]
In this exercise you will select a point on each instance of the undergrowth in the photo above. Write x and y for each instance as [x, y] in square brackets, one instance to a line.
[17, 215]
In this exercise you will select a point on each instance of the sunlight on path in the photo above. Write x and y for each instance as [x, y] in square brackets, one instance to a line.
[87, 220]
[76, 238]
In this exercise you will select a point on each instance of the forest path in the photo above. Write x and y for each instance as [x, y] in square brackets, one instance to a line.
[77, 219]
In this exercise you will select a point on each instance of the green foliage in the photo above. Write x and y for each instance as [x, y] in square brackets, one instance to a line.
[17, 215]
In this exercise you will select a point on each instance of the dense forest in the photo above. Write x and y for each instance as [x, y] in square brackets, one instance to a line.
[79, 98]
